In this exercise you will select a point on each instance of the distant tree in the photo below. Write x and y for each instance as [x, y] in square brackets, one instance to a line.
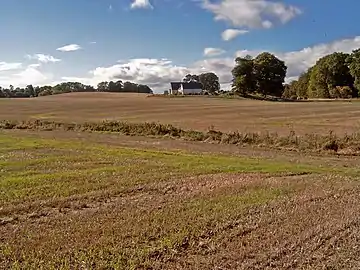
[144, 89]
[329, 71]
[191, 78]
[290, 90]
[269, 73]
[37, 90]
[30, 91]
[302, 84]
[103, 87]
[119, 86]
[112, 87]
[2, 94]
[210, 82]
[243, 76]
[353, 62]
[341, 92]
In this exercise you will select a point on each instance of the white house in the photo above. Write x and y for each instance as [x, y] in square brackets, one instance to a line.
[186, 88]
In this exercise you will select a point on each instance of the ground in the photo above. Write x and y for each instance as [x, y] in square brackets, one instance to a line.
[198, 113]
[79, 200]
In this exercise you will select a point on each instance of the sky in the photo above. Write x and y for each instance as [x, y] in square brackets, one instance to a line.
[153, 42]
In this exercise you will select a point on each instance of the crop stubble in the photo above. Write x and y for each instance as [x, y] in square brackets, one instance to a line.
[197, 113]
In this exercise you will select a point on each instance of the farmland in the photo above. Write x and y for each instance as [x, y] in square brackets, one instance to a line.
[197, 113]
[91, 200]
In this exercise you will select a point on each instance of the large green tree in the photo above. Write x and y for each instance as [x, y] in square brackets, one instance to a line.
[269, 73]
[353, 62]
[328, 73]
[210, 82]
[243, 76]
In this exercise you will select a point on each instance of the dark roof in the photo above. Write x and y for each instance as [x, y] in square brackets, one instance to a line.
[186, 85]
[175, 85]
[192, 85]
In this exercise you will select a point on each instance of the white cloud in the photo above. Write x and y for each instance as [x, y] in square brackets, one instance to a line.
[213, 51]
[141, 4]
[29, 75]
[158, 73]
[69, 48]
[251, 13]
[34, 65]
[43, 58]
[230, 34]
[9, 66]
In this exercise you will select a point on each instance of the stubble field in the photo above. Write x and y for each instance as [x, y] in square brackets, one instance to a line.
[80, 200]
[197, 113]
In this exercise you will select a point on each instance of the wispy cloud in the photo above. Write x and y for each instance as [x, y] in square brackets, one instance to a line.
[251, 14]
[4, 66]
[69, 48]
[213, 52]
[230, 34]
[43, 58]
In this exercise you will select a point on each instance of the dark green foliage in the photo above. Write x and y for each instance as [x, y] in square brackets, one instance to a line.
[191, 78]
[270, 73]
[328, 73]
[302, 84]
[263, 75]
[244, 82]
[289, 91]
[70, 87]
[210, 82]
[354, 66]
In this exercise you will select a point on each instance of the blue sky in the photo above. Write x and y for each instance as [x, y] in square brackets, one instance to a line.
[156, 41]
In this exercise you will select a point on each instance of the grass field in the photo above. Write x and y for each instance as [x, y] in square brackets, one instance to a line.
[198, 113]
[80, 200]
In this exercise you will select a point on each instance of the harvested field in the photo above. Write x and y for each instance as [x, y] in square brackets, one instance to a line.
[197, 113]
[101, 201]
[89, 196]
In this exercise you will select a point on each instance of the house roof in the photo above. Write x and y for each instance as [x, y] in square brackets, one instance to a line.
[175, 85]
[192, 85]
[185, 85]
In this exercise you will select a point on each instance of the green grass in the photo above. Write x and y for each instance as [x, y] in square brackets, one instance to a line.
[54, 168]
[149, 227]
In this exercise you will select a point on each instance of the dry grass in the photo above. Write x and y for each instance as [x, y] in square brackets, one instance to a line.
[80, 204]
[345, 145]
[197, 113]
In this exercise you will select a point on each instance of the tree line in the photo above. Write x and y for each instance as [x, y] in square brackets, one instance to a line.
[69, 87]
[336, 75]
